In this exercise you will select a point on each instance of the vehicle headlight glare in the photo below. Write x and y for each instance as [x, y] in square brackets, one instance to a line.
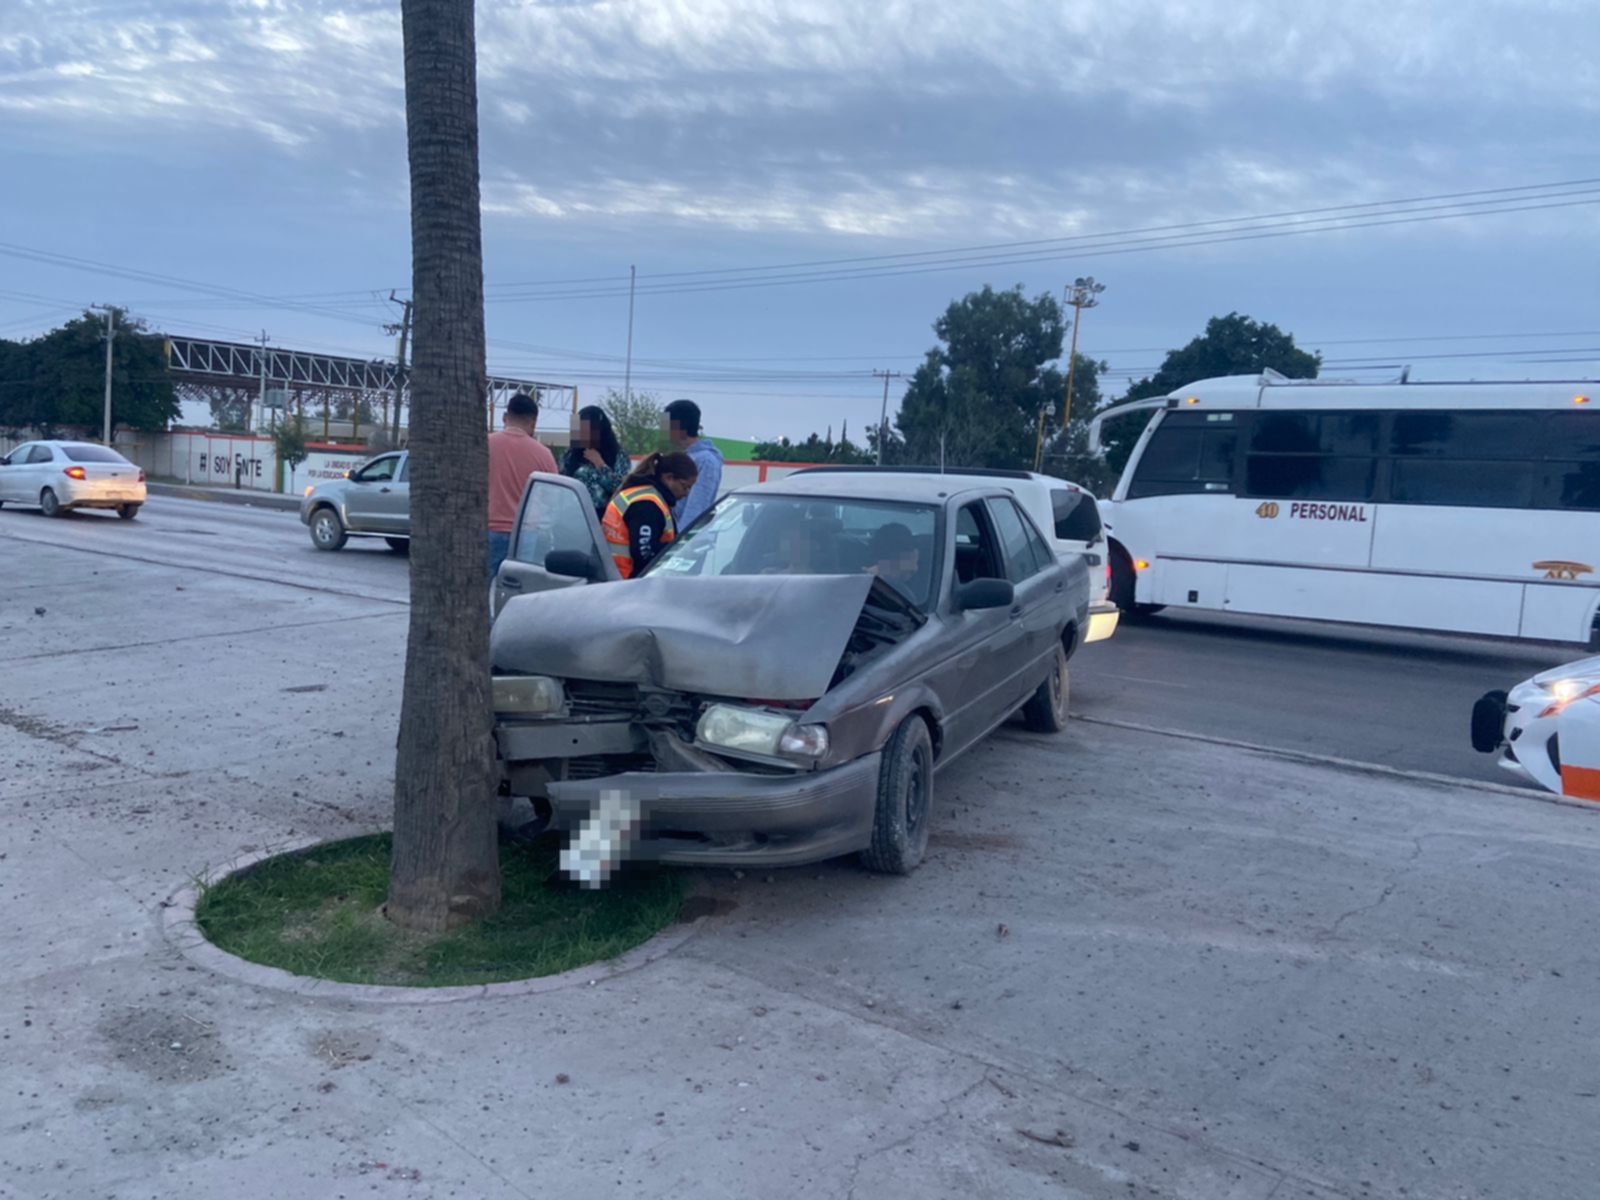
[528, 695]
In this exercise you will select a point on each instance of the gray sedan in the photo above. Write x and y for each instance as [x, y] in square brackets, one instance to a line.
[784, 681]
[372, 501]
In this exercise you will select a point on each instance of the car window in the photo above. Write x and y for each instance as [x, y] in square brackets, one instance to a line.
[19, 455]
[405, 469]
[1076, 515]
[42, 454]
[83, 452]
[1021, 561]
[1043, 553]
[977, 550]
[792, 535]
[377, 470]
[554, 519]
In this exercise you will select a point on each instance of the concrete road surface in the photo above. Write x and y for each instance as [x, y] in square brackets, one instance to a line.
[1389, 697]
[1134, 965]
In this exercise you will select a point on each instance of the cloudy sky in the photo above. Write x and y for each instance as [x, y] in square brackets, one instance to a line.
[258, 146]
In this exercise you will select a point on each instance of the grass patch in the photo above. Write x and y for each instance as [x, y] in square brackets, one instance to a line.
[317, 913]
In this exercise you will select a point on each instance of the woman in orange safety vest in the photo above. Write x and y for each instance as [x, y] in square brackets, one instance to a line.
[638, 522]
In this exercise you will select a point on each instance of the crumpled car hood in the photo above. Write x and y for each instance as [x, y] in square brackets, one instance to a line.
[768, 637]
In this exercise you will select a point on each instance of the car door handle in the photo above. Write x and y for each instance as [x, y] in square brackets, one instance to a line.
[385, 491]
[510, 582]
[1016, 612]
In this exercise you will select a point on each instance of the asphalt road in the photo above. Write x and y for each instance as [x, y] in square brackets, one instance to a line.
[1384, 696]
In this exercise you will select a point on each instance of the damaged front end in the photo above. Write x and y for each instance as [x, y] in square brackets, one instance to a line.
[630, 749]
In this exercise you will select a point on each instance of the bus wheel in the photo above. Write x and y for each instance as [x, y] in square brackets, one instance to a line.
[1122, 588]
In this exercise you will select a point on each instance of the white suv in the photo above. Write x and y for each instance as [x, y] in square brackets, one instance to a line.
[1068, 516]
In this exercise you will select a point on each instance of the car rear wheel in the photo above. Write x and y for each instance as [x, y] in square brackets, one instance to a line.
[127, 511]
[50, 503]
[399, 545]
[327, 531]
[1046, 709]
[905, 802]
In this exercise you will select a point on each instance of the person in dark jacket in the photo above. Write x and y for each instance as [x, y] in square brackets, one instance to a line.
[595, 458]
[638, 522]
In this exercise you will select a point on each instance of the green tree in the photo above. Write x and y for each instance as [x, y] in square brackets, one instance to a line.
[1066, 451]
[446, 866]
[975, 400]
[1231, 345]
[289, 441]
[58, 380]
[637, 419]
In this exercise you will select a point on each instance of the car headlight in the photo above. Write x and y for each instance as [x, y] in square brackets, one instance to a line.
[528, 695]
[751, 731]
[1561, 692]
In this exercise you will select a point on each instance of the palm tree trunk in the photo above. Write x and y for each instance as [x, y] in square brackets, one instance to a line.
[446, 866]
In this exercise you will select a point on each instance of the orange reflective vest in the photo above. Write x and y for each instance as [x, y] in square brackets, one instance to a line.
[616, 528]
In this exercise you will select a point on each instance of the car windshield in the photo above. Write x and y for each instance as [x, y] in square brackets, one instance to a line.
[751, 534]
[83, 452]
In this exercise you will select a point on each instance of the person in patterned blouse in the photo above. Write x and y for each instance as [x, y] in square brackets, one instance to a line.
[595, 458]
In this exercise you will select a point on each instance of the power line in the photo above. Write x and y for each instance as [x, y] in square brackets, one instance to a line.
[1018, 245]
[1104, 249]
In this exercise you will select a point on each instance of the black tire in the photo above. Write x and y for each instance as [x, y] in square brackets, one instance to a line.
[127, 511]
[50, 504]
[1046, 709]
[399, 545]
[327, 531]
[1122, 589]
[905, 802]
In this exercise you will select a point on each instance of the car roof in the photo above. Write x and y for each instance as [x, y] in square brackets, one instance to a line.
[869, 485]
[1006, 479]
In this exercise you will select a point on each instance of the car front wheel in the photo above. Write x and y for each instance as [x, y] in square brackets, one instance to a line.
[1046, 709]
[327, 531]
[50, 503]
[905, 801]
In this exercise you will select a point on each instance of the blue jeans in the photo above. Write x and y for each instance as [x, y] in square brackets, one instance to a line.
[499, 547]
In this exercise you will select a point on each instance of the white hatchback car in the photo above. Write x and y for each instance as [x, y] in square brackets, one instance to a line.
[1068, 516]
[58, 477]
[1524, 726]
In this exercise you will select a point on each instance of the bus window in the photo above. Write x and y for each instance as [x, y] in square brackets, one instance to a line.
[1463, 483]
[1469, 435]
[1577, 486]
[1573, 435]
[1309, 477]
[1312, 456]
[1187, 455]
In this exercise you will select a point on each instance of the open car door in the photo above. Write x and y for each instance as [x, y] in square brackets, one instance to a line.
[557, 542]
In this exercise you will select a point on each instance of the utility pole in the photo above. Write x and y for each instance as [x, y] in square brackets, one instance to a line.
[110, 337]
[627, 370]
[262, 360]
[404, 330]
[883, 413]
[1085, 293]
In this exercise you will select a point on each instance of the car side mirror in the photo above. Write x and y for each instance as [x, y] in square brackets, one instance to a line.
[985, 593]
[574, 564]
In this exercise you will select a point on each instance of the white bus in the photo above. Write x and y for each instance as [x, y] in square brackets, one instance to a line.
[1464, 507]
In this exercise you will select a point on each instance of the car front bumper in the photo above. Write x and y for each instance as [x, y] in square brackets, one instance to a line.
[1103, 618]
[698, 818]
[1528, 745]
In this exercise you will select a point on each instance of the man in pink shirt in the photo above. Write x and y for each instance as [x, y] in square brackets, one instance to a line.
[514, 454]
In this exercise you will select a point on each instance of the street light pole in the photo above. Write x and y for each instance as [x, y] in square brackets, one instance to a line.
[1085, 293]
